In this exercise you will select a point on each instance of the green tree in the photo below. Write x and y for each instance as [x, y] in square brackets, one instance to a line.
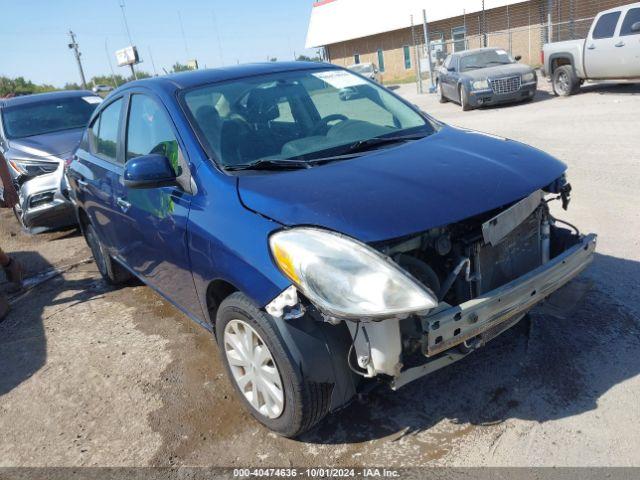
[180, 67]
[305, 58]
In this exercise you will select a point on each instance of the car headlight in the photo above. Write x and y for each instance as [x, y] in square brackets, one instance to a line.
[528, 77]
[346, 278]
[32, 168]
[480, 84]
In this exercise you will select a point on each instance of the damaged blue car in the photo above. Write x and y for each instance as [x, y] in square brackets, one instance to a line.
[326, 232]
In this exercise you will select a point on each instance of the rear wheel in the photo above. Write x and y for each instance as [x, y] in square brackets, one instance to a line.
[111, 271]
[271, 387]
[565, 82]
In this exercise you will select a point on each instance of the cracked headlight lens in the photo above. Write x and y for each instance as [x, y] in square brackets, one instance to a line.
[345, 278]
[480, 85]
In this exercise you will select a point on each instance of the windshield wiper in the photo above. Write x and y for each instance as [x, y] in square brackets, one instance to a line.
[364, 145]
[499, 63]
[270, 164]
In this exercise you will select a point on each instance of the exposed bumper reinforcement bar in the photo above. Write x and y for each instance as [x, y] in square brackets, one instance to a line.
[493, 312]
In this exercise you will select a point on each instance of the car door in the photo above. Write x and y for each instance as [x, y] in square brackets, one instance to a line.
[97, 172]
[630, 43]
[449, 77]
[602, 54]
[157, 218]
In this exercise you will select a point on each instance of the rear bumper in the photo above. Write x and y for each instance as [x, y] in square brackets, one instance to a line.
[488, 97]
[485, 317]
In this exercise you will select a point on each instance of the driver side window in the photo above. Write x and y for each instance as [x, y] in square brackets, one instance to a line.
[149, 132]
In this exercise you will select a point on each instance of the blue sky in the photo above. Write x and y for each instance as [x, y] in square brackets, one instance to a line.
[34, 34]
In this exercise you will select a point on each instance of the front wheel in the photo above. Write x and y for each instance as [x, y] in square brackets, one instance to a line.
[464, 99]
[268, 383]
[441, 96]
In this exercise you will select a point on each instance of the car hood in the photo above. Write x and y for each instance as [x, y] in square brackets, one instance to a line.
[57, 144]
[445, 178]
[498, 71]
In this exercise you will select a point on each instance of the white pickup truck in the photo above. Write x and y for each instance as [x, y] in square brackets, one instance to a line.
[610, 52]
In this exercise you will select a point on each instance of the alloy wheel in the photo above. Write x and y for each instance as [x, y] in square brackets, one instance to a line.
[253, 368]
[563, 82]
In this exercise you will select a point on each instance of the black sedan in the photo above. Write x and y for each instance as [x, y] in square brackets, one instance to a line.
[485, 76]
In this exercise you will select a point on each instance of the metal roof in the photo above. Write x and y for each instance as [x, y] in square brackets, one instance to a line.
[334, 21]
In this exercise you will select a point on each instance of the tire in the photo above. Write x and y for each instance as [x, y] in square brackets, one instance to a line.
[441, 96]
[565, 82]
[303, 403]
[464, 99]
[112, 272]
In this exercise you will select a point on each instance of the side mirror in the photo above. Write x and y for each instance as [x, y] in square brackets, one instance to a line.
[149, 171]
[635, 27]
[518, 58]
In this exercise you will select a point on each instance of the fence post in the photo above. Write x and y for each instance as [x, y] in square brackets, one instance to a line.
[427, 45]
[417, 54]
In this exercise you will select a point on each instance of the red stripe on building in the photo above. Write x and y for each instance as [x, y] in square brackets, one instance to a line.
[319, 3]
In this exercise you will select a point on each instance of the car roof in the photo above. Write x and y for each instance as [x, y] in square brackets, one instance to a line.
[185, 80]
[477, 50]
[40, 97]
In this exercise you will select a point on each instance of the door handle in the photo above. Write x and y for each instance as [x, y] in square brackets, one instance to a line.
[123, 204]
[82, 183]
[591, 47]
[620, 44]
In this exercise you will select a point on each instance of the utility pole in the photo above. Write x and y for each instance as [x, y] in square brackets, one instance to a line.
[76, 50]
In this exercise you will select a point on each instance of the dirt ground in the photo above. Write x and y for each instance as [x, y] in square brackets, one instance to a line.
[91, 375]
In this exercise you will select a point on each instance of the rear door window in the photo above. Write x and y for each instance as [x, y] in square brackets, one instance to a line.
[633, 17]
[104, 132]
[606, 26]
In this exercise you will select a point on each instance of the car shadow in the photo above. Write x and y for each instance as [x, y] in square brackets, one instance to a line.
[611, 87]
[23, 340]
[545, 369]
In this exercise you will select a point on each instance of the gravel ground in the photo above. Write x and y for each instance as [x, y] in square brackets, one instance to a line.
[91, 375]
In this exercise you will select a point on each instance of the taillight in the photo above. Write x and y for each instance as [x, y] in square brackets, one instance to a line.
[542, 57]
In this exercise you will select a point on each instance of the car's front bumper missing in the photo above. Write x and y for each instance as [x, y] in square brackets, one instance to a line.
[483, 318]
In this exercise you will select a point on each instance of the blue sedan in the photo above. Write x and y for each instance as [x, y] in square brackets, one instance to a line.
[324, 230]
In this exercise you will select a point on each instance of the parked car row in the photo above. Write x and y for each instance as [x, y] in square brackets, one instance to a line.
[490, 76]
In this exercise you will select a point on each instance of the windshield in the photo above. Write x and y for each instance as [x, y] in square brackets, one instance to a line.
[362, 68]
[484, 59]
[296, 115]
[48, 116]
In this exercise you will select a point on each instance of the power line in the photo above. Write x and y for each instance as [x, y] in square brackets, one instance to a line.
[184, 37]
[113, 74]
[126, 24]
[76, 50]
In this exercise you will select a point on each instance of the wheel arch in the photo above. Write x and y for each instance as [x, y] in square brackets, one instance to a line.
[561, 59]
[217, 291]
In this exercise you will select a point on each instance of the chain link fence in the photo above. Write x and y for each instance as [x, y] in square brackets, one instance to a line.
[521, 29]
